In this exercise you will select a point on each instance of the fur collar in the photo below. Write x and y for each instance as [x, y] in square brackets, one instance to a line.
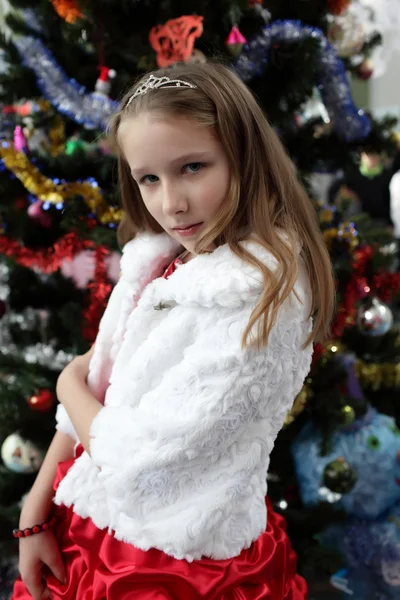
[219, 278]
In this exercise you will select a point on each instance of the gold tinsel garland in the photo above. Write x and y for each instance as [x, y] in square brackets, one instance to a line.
[46, 190]
[376, 376]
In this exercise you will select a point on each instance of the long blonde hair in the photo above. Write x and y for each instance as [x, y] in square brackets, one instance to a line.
[265, 195]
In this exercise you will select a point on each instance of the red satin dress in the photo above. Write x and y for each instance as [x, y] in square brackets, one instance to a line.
[100, 567]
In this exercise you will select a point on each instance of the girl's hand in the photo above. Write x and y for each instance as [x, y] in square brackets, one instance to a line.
[36, 552]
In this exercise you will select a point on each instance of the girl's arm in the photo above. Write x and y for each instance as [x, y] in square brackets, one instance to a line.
[37, 506]
[74, 395]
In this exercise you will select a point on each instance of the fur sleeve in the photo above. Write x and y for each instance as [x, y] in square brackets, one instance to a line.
[204, 404]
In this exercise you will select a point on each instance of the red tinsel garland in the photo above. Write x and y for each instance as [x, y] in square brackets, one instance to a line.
[99, 292]
[49, 260]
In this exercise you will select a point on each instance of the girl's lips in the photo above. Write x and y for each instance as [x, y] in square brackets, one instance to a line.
[188, 231]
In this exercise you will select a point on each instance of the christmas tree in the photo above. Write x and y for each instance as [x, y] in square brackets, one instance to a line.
[64, 68]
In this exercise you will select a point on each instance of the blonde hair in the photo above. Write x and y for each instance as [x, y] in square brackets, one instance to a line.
[265, 195]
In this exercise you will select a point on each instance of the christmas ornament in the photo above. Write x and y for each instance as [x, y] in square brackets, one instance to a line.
[347, 415]
[346, 34]
[173, 42]
[339, 476]
[374, 317]
[42, 401]
[235, 41]
[67, 9]
[348, 122]
[21, 456]
[365, 69]
[19, 139]
[74, 145]
[71, 99]
[336, 7]
[57, 192]
[103, 84]
[36, 213]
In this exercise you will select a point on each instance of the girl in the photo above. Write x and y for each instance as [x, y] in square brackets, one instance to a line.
[195, 365]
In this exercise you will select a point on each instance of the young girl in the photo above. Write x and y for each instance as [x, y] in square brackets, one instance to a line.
[205, 343]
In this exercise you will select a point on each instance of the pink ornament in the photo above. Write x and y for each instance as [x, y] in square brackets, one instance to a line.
[19, 139]
[40, 216]
[235, 37]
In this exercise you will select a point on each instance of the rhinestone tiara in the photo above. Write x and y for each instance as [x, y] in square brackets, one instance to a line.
[154, 82]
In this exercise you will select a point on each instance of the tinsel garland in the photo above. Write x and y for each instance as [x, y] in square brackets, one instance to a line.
[99, 292]
[349, 123]
[375, 376]
[91, 109]
[54, 191]
[49, 260]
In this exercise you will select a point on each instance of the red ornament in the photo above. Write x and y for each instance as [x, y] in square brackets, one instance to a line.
[173, 42]
[336, 7]
[365, 69]
[42, 401]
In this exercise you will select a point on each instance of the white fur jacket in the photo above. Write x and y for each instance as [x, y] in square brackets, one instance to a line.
[180, 452]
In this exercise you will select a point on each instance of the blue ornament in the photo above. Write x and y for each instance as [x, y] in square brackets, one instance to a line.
[350, 123]
[71, 99]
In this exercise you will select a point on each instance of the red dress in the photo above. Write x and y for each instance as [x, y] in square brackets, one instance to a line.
[100, 567]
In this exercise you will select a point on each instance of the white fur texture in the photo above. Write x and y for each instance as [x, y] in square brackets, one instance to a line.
[180, 452]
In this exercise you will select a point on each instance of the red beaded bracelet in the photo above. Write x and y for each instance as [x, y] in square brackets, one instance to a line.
[21, 533]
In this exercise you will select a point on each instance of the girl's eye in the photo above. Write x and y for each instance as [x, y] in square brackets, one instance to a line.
[149, 179]
[193, 167]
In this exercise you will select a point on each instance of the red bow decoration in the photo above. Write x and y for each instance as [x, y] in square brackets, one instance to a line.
[173, 42]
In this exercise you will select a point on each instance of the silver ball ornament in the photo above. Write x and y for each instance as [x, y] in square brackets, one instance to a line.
[374, 317]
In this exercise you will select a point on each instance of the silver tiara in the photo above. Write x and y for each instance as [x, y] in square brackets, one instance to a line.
[154, 82]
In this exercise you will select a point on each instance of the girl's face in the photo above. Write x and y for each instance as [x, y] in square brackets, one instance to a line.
[181, 170]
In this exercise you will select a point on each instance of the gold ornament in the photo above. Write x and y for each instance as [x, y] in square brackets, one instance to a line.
[47, 191]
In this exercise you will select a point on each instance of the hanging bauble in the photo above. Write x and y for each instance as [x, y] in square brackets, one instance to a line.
[103, 84]
[67, 9]
[37, 214]
[42, 401]
[336, 7]
[339, 476]
[365, 69]
[346, 34]
[3, 308]
[74, 145]
[374, 317]
[235, 41]
[19, 139]
[347, 415]
[20, 455]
